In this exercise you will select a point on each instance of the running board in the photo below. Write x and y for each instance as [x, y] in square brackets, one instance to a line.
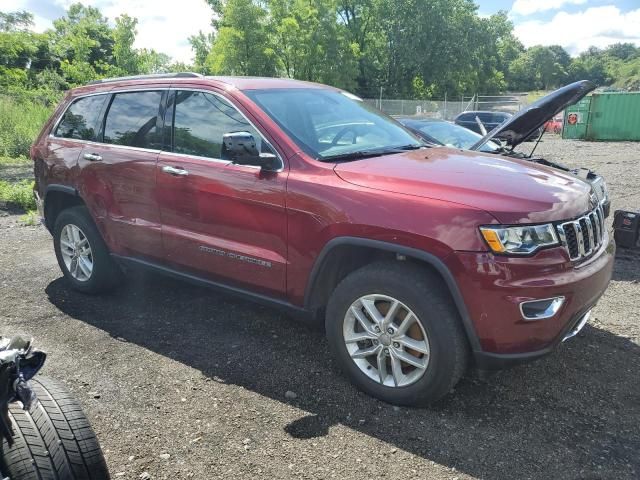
[200, 281]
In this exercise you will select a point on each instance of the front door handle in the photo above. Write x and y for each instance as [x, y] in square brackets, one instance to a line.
[93, 157]
[180, 172]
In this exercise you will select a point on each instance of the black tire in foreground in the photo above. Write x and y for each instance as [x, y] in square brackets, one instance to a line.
[53, 441]
[435, 345]
[104, 273]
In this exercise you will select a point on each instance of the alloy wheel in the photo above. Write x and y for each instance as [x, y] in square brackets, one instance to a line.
[385, 339]
[76, 252]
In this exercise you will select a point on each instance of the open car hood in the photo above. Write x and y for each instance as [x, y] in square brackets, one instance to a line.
[520, 127]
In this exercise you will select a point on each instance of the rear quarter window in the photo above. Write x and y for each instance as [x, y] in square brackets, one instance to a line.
[80, 120]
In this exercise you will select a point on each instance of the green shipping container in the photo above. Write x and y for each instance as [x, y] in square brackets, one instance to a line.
[614, 116]
[604, 116]
[576, 118]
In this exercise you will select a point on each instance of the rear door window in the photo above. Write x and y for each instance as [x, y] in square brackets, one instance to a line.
[200, 121]
[80, 119]
[132, 120]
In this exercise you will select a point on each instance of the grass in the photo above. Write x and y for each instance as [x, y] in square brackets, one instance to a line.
[30, 219]
[21, 118]
[535, 95]
[20, 123]
[19, 194]
[14, 161]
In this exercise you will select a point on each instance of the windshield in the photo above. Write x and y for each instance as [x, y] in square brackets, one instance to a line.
[328, 124]
[453, 135]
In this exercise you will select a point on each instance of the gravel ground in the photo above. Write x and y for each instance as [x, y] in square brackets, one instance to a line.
[182, 382]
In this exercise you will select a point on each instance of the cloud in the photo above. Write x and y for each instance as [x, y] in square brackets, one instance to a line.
[596, 26]
[527, 7]
[40, 22]
[164, 25]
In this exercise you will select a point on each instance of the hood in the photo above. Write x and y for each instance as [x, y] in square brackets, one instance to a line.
[520, 127]
[513, 191]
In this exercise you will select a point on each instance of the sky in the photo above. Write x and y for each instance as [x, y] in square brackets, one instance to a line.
[165, 25]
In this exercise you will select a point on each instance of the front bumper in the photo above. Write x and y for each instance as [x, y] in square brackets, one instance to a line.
[499, 361]
[493, 287]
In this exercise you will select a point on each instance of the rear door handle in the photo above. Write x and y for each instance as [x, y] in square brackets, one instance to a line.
[180, 172]
[93, 157]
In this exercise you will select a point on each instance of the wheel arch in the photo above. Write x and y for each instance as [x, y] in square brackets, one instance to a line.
[58, 198]
[330, 267]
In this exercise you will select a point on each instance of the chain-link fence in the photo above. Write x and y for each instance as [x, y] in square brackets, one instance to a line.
[448, 109]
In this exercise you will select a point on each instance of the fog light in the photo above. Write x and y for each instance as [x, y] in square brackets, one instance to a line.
[541, 309]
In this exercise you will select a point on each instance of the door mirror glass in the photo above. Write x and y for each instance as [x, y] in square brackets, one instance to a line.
[241, 148]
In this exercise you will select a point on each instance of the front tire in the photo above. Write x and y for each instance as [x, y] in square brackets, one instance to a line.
[396, 333]
[54, 440]
[82, 254]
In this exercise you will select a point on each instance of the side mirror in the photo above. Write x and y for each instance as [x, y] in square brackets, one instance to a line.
[240, 148]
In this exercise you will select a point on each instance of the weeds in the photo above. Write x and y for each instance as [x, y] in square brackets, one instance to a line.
[20, 123]
[14, 162]
[30, 219]
[18, 194]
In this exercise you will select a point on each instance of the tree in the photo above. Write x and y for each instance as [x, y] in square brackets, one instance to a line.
[627, 74]
[150, 61]
[241, 46]
[409, 48]
[81, 47]
[622, 51]
[18, 48]
[84, 44]
[15, 21]
[443, 45]
[540, 68]
[550, 64]
[124, 35]
[368, 42]
[201, 46]
[562, 57]
[589, 67]
[84, 35]
[308, 42]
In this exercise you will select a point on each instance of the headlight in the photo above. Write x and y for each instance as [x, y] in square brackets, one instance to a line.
[600, 189]
[518, 240]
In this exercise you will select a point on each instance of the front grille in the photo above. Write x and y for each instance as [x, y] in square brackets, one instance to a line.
[583, 236]
[586, 236]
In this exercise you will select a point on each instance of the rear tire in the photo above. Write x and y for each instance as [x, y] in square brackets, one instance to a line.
[422, 297]
[104, 272]
[53, 441]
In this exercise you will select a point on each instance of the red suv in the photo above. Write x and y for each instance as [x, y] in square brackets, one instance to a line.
[422, 260]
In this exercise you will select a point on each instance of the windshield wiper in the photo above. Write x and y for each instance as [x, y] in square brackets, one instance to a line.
[413, 146]
[379, 152]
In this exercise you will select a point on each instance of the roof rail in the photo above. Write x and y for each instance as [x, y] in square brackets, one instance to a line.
[150, 76]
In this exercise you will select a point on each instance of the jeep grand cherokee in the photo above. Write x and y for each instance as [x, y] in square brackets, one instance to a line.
[422, 260]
